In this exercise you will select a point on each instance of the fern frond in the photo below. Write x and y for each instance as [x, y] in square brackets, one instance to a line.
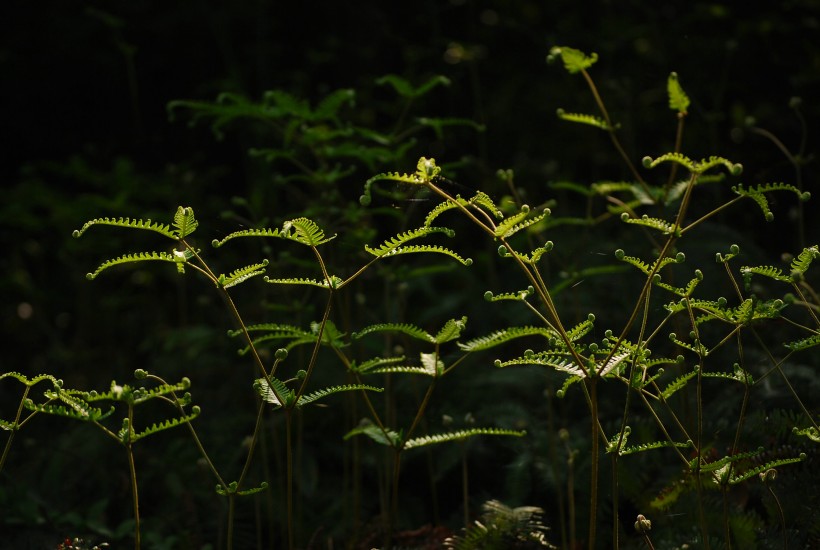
[241, 275]
[232, 489]
[178, 258]
[23, 379]
[574, 60]
[559, 362]
[324, 392]
[164, 425]
[583, 118]
[335, 282]
[393, 243]
[374, 363]
[275, 396]
[801, 263]
[521, 295]
[651, 446]
[505, 335]
[434, 249]
[653, 223]
[304, 231]
[406, 328]
[458, 436]
[677, 384]
[366, 427]
[805, 343]
[185, 221]
[413, 179]
[149, 225]
[264, 232]
[811, 432]
[450, 331]
[765, 467]
[677, 158]
[678, 100]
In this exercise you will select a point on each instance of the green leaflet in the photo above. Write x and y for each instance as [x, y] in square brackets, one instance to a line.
[574, 60]
[458, 435]
[678, 100]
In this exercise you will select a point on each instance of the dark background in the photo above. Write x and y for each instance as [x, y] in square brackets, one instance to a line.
[86, 133]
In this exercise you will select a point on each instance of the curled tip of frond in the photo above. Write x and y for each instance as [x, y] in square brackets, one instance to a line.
[488, 295]
[89, 276]
[140, 374]
[365, 200]
[620, 254]
[468, 262]
[680, 257]
[647, 162]
[281, 354]
[736, 169]
[805, 196]
[76, 233]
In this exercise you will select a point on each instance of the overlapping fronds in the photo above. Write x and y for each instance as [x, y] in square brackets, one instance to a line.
[501, 528]
[801, 263]
[458, 435]
[451, 330]
[392, 244]
[763, 468]
[302, 230]
[426, 170]
[513, 224]
[264, 390]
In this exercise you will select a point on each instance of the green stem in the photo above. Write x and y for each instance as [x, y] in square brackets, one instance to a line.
[593, 479]
[16, 427]
[289, 458]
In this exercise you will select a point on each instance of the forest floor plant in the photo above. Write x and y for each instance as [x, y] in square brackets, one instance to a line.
[654, 377]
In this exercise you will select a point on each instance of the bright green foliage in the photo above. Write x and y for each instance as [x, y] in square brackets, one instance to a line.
[574, 60]
[459, 435]
[582, 118]
[678, 100]
[282, 396]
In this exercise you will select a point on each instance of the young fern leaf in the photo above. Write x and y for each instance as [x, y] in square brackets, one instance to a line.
[505, 335]
[651, 446]
[164, 425]
[385, 437]
[23, 379]
[241, 275]
[374, 364]
[558, 361]
[513, 224]
[653, 223]
[305, 231]
[583, 118]
[178, 258]
[677, 384]
[574, 60]
[335, 282]
[264, 232]
[232, 489]
[458, 435]
[324, 392]
[678, 100]
[801, 263]
[405, 328]
[184, 221]
[520, 296]
[149, 225]
[414, 249]
[450, 331]
[805, 343]
[811, 432]
[763, 468]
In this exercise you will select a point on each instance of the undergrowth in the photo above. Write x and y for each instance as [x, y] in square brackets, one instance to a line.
[638, 377]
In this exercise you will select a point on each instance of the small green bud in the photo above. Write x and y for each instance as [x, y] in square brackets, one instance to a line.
[140, 374]
[488, 295]
[647, 162]
[281, 354]
[301, 374]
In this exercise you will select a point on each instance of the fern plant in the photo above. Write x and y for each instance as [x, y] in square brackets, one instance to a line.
[624, 355]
